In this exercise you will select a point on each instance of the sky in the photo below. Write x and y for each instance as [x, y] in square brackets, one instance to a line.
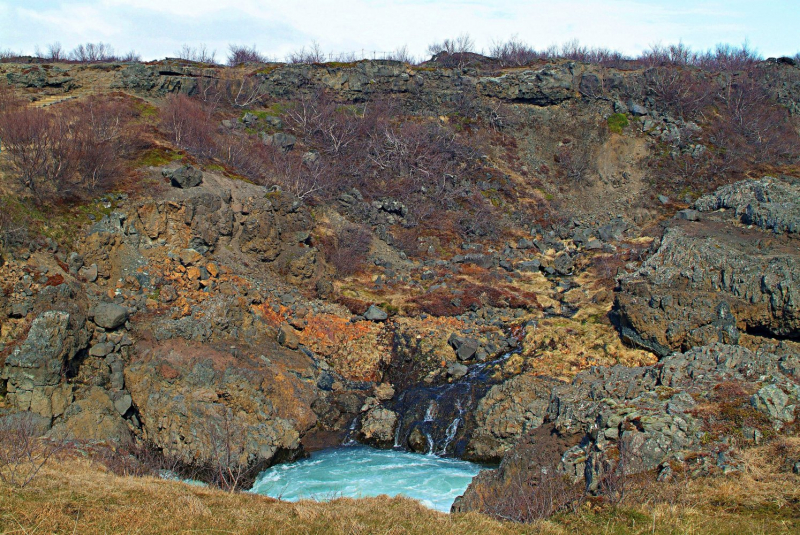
[159, 28]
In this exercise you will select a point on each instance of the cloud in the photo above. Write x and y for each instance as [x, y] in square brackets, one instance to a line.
[158, 28]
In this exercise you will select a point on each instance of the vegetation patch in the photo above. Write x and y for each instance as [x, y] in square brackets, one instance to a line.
[617, 122]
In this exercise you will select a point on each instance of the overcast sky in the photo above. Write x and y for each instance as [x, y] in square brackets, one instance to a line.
[158, 28]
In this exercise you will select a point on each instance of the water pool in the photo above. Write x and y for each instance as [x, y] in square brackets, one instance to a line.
[359, 471]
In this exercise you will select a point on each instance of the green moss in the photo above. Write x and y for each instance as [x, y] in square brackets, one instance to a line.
[157, 157]
[617, 122]
[146, 110]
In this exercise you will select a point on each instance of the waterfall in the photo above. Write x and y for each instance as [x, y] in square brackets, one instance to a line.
[348, 438]
[442, 413]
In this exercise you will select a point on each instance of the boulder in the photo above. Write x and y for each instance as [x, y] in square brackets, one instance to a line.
[185, 177]
[110, 315]
[378, 427]
[375, 313]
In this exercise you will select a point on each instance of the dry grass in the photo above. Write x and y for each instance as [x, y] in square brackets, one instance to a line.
[76, 495]
[79, 496]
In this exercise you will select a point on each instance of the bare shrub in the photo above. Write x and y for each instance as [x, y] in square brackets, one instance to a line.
[239, 54]
[8, 55]
[460, 45]
[189, 124]
[750, 127]
[314, 54]
[55, 52]
[243, 91]
[348, 251]
[682, 93]
[663, 55]
[40, 148]
[199, 54]
[527, 497]
[227, 466]
[9, 101]
[137, 458]
[514, 53]
[92, 53]
[103, 136]
[402, 54]
[22, 452]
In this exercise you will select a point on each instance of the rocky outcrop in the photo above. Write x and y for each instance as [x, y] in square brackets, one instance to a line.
[643, 419]
[768, 203]
[33, 373]
[507, 412]
[544, 87]
[193, 399]
[711, 280]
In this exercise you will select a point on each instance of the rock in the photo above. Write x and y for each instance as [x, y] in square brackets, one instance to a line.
[465, 348]
[456, 370]
[283, 141]
[418, 441]
[250, 119]
[594, 245]
[186, 177]
[20, 309]
[543, 87]
[768, 203]
[310, 158]
[288, 337]
[384, 392]
[663, 199]
[707, 282]
[190, 257]
[193, 398]
[636, 109]
[101, 350]
[688, 215]
[774, 402]
[530, 266]
[93, 418]
[110, 315]
[123, 403]
[378, 426]
[375, 313]
[89, 274]
[564, 264]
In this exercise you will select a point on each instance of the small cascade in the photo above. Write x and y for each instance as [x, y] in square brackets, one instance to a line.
[349, 439]
[437, 419]
[431, 444]
[430, 412]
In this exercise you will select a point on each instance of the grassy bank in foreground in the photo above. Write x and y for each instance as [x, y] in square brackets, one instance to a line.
[75, 495]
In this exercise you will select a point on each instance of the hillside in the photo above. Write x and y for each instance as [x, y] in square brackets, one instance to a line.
[560, 268]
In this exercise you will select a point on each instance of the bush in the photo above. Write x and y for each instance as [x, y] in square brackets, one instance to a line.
[238, 55]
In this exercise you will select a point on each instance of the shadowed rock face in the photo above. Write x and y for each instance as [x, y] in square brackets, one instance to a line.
[711, 280]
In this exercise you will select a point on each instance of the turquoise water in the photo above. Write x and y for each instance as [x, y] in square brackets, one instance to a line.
[359, 471]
